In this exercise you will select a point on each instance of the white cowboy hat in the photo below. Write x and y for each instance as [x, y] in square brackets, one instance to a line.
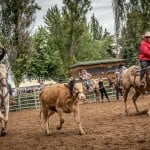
[147, 34]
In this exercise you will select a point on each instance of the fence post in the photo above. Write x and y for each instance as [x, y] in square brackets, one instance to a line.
[19, 103]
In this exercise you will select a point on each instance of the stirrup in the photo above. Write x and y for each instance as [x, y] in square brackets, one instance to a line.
[142, 84]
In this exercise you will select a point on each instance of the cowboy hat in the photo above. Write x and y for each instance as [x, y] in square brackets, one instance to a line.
[147, 34]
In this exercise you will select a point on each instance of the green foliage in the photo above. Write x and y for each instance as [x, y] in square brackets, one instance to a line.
[66, 28]
[136, 26]
[90, 49]
[67, 39]
[46, 62]
[96, 29]
[74, 14]
[16, 18]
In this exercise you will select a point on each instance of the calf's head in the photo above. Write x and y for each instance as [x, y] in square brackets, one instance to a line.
[76, 88]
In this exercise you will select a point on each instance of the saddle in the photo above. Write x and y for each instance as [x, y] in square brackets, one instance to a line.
[136, 71]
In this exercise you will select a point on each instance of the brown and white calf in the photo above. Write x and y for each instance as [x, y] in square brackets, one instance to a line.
[62, 98]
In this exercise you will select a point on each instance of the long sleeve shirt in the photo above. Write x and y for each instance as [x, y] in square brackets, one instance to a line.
[144, 51]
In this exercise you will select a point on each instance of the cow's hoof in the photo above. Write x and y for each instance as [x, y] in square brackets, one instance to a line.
[148, 113]
[47, 133]
[58, 127]
[3, 133]
[82, 133]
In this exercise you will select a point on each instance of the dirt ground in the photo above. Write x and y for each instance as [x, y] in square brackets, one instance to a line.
[106, 126]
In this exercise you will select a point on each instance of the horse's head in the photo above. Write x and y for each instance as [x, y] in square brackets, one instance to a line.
[110, 81]
[113, 81]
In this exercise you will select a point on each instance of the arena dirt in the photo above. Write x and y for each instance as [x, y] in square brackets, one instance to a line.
[106, 126]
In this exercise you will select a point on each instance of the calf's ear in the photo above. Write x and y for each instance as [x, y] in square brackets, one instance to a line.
[66, 85]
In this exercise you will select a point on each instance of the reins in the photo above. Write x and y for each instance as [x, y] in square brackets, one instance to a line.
[143, 69]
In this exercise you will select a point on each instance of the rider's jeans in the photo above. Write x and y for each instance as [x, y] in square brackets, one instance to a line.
[144, 64]
[87, 84]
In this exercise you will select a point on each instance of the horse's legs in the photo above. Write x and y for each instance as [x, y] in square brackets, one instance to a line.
[96, 91]
[121, 93]
[4, 118]
[3, 132]
[126, 91]
[6, 115]
[117, 93]
[134, 98]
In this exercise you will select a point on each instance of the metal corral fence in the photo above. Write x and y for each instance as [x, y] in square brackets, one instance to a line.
[28, 98]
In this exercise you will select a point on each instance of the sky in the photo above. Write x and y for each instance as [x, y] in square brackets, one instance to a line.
[102, 9]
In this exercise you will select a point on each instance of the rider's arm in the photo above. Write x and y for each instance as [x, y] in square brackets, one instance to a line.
[145, 49]
[89, 75]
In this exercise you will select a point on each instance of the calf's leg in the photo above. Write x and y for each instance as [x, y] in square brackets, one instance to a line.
[62, 120]
[149, 111]
[77, 118]
[46, 114]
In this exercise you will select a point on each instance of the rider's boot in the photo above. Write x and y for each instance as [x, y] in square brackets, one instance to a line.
[142, 84]
[108, 100]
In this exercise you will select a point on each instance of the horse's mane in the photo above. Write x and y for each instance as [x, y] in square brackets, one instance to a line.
[3, 54]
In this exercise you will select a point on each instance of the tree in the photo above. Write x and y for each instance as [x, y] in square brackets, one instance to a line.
[66, 28]
[120, 17]
[90, 49]
[74, 13]
[16, 18]
[96, 29]
[132, 20]
[65, 39]
[137, 23]
[46, 62]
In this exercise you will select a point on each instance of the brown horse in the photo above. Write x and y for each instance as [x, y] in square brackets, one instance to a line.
[116, 84]
[132, 79]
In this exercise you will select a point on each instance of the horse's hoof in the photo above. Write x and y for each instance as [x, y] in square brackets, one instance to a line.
[58, 127]
[47, 133]
[82, 133]
[3, 133]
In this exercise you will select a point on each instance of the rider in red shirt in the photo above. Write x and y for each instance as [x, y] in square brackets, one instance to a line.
[144, 56]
